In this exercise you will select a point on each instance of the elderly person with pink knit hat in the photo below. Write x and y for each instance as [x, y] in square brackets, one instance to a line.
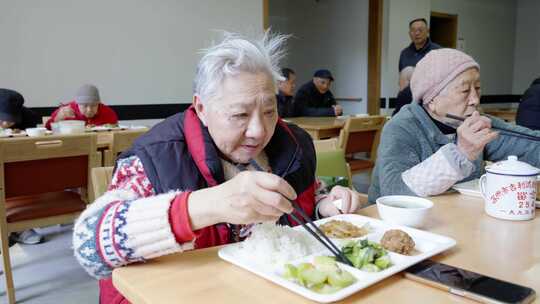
[422, 152]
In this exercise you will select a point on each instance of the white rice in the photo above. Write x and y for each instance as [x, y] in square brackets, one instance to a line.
[273, 245]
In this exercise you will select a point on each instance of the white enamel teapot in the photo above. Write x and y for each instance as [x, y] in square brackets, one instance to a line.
[509, 189]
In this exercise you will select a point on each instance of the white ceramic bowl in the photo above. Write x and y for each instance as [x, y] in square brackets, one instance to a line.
[35, 132]
[71, 126]
[405, 210]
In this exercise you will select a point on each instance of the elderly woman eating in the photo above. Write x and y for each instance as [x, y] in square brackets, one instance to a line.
[423, 152]
[192, 181]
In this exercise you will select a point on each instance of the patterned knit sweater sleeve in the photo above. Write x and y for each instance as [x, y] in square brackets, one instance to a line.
[129, 223]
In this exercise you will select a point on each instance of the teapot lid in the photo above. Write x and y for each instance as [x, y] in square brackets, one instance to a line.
[512, 166]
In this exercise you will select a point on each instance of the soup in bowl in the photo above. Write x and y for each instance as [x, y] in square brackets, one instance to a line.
[405, 210]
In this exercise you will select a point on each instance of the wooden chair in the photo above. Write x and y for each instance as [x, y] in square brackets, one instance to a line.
[331, 160]
[44, 119]
[101, 178]
[34, 176]
[361, 134]
[121, 141]
[322, 145]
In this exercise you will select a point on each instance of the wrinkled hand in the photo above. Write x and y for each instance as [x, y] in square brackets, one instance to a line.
[250, 197]
[350, 201]
[64, 113]
[338, 110]
[474, 134]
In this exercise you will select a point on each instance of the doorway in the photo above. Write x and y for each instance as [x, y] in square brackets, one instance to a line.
[443, 29]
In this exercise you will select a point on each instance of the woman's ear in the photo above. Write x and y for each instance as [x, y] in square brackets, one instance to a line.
[431, 105]
[200, 109]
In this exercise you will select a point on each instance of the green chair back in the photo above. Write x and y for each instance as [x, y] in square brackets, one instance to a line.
[332, 163]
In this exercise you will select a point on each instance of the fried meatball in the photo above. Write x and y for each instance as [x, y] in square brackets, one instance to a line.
[397, 241]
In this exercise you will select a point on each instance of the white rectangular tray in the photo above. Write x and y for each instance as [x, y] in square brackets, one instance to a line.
[471, 188]
[427, 245]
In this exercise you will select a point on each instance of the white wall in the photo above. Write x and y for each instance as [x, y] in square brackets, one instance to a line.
[488, 27]
[397, 15]
[328, 34]
[527, 47]
[135, 51]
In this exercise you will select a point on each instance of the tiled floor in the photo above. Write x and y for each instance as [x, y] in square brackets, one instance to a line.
[48, 272]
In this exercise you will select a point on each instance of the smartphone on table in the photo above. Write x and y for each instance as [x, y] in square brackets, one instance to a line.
[469, 284]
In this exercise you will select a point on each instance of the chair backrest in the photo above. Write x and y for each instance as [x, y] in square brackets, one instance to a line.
[331, 159]
[322, 145]
[34, 165]
[44, 119]
[361, 134]
[101, 178]
[35, 173]
[121, 141]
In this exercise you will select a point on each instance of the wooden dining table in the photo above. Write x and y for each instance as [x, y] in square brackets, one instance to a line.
[319, 127]
[508, 115]
[104, 139]
[502, 249]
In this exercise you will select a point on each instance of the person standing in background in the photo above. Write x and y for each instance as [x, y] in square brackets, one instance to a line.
[420, 44]
[314, 98]
[285, 93]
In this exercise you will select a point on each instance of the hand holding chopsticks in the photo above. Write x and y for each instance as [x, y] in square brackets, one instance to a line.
[503, 131]
[311, 227]
[474, 134]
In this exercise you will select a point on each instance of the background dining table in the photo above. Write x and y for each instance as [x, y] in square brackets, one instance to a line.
[502, 249]
[319, 127]
[508, 115]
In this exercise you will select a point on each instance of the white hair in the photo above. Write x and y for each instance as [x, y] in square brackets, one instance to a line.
[236, 54]
[405, 77]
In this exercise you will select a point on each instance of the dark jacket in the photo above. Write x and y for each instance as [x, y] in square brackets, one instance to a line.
[12, 109]
[410, 55]
[29, 119]
[404, 97]
[528, 114]
[285, 106]
[308, 101]
[179, 153]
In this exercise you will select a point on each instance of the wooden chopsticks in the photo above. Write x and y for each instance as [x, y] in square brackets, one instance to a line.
[306, 222]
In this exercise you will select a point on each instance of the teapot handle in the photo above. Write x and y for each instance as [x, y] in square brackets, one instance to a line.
[482, 185]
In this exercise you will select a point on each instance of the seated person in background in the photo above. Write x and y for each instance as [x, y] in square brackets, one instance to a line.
[191, 182]
[528, 114]
[13, 113]
[315, 99]
[285, 94]
[87, 106]
[405, 95]
[422, 152]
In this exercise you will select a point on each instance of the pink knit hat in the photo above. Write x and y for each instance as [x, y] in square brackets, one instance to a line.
[436, 70]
